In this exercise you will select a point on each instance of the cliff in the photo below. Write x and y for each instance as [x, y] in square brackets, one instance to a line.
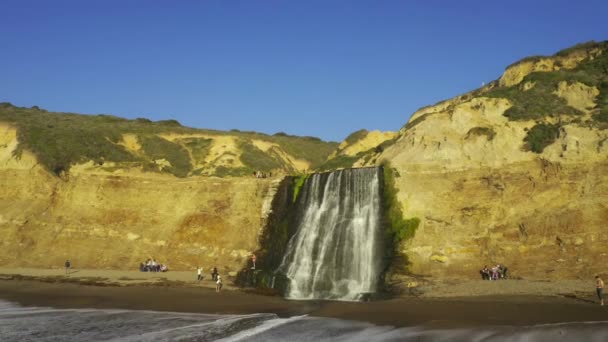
[107, 192]
[515, 172]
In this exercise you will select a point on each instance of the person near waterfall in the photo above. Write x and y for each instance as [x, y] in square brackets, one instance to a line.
[599, 289]
[199, 273]
[218, 284]
[67, 266]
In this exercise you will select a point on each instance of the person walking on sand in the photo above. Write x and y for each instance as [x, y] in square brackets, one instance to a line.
[67, 266]
[599, 288]
[199, 273]
[218, 284]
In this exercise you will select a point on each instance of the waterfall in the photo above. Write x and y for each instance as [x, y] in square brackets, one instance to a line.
[335, 252]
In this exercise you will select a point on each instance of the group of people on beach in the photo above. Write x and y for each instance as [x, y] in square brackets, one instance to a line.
[151, 265]
[495, 273]
[260, 174]
[215, 276]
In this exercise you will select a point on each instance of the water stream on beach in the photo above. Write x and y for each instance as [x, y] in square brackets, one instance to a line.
[335, 252]
[46, 324]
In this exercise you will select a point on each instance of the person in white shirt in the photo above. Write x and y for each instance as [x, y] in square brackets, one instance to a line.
[199, 272]
[218, 284]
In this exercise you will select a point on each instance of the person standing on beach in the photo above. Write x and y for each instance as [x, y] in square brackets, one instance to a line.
[199, 273]
[599, 288]
[67, 266]
[218, 284]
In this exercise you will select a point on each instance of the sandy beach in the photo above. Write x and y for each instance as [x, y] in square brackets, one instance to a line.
[448, 304]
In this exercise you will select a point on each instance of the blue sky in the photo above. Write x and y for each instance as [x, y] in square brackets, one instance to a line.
[320, 68]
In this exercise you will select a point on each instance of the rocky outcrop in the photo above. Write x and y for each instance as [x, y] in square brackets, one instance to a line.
[567, 59]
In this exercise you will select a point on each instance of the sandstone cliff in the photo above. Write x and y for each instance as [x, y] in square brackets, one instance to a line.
[515, 172]
[103, 220]
[107, 192]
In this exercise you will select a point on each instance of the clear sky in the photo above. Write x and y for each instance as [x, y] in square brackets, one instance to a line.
[321, 68]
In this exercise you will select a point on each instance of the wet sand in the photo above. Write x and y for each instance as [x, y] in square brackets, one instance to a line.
[438, 310]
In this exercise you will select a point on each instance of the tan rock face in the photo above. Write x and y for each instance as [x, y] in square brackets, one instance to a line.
[578, 95]
[483, 200]
[526, 216]
[100, 220]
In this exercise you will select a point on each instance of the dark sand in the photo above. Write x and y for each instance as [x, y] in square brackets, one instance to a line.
[408, 311]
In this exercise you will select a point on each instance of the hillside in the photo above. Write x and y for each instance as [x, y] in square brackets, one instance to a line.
[107, 143]
[515, 172]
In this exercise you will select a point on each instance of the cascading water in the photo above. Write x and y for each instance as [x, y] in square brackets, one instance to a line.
[335, 252]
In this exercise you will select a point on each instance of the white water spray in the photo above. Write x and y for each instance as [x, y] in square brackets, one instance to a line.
[335, 252]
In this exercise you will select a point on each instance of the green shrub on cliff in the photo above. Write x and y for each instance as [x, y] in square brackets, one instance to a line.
[488, 132]
[200, 148]
[310, 149]
[602, 102]
[258, 160]
[158, 148]
[298, 183]
[541, 136]
[537, 102]
[398, 229]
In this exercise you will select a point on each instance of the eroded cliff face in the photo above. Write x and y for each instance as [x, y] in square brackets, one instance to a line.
[483, 198]
[99, 219]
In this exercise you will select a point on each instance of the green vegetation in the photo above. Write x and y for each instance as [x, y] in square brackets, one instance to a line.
[602, 103]
[298, 183]
[311, 149]
[481, 131]
[356, 136]
[541, 136]
[198, 146]
[540, 101]
[398, 229]
[223, 171]
[581, 46]
[60, 140]
[258, 160]
[158, 148]
[340, 162]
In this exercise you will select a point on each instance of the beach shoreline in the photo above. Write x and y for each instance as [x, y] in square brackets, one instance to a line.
[438, 305]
